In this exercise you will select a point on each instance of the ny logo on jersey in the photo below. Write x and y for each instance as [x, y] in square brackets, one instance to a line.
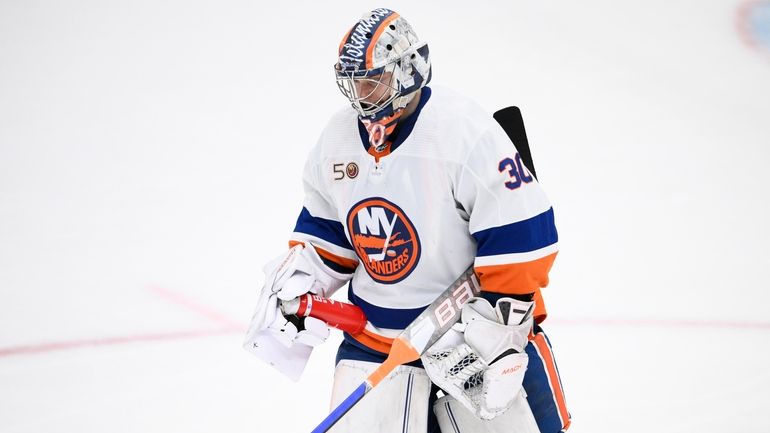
[384, 239]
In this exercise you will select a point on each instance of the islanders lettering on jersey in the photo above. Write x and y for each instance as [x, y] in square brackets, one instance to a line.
[384, 239]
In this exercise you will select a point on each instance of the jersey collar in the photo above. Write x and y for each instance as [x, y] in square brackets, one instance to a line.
[402, 131]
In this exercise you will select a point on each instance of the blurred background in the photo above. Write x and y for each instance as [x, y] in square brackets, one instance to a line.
[150, 163]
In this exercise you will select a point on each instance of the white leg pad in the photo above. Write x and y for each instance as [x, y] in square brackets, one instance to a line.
[453, 417]
[399, 404]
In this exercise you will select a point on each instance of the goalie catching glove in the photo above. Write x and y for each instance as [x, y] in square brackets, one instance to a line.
[292, 274]
[481, 360]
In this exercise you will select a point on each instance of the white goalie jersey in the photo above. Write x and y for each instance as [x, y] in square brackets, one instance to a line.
[451, 191]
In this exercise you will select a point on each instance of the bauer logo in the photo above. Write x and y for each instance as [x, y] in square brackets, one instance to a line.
[384, 239]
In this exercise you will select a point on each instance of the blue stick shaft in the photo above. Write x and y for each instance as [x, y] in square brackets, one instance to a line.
[342, 409]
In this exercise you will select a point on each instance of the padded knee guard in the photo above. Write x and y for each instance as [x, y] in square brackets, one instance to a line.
[453, 417]
[398, 404]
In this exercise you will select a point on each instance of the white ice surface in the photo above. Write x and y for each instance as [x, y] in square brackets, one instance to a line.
[150, 158]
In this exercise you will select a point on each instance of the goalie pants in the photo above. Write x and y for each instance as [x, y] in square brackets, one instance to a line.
[402, 402]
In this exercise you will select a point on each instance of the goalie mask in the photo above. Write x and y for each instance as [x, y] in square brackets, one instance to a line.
[381, 64]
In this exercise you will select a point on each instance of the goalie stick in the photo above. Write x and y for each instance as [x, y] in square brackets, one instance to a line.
[513, 125]
[341, 315]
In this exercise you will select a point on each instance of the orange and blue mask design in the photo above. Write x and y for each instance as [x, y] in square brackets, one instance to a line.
[356, 51]
[356, 61]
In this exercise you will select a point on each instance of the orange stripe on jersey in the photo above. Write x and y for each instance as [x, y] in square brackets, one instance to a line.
[374, 341]
[375, 36]
[342, 261]
[553, 378]
[516, 278]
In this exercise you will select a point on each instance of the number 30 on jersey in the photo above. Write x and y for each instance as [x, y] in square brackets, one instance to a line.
[516, 171]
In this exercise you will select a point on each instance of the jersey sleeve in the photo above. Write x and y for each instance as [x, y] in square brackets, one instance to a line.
[510, 217]
[318, 224]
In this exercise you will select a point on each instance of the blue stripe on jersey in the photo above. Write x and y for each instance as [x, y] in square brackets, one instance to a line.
[328, 230]
[336, 267]
[519, 237]
[382, 317]
[539, 393]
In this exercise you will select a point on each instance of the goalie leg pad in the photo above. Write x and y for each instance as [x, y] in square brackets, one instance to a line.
[454, 417]
[398, 404]
[544, 386]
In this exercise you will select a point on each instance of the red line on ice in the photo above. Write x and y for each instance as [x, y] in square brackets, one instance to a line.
[111, 341]
[226, 326]
[723, 324]
[209, 313]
